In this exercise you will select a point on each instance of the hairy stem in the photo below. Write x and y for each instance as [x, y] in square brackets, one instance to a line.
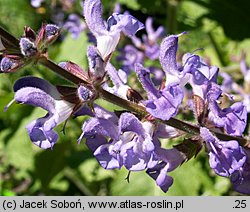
[173, 122]
[76, 79]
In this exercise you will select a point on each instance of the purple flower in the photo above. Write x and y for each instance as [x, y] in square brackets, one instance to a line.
[51, 30]
[40, 93]
[152, 48]
[225, 157]
[149, 43]
[241, 178]
[166, 131]
[157, 75]
[159, 174]
[245, 70]
[119, 79]
[130, 142]
[7, 64]
[117, 8]
[163, 103]
[170, 160]
[244, 91]
[232, 119]
[203, 81]
[74, 25]
[96, 64]
[168, 50]
[202, 74]
[246, 101]
[153, 35]
[51, 33]
[108, 35]
[129, 56]
[227, 84]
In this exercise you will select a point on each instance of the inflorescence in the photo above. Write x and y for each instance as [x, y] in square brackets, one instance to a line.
[132, 138]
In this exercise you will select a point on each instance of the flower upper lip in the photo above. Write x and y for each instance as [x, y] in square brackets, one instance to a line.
[40, 93]
[108, 34]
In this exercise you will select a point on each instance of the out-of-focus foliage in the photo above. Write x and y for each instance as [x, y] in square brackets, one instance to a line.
[231, 15]
[17, 14]
[70, 169]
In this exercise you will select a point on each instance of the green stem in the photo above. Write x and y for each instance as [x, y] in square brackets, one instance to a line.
[217, 49]
[72, 176]
[172, 9]
[128, 105]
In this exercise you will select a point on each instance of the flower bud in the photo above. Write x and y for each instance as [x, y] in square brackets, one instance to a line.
[10, 63]
[7, 64]
[96, 64]
[27, 47]
[51, 33]
[84, 93]
[29, 33]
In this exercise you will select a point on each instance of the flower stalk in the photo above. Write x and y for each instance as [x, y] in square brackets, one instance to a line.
[128, 105]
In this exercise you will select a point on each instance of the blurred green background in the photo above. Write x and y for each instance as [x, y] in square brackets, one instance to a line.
[220, 27]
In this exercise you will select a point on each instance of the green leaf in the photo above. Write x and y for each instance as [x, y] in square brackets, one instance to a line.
[16, 14]
[139, 185]
[132, 4]
[194, 179]
[187, 180]
[231, 15]
[158, 8]
[19, 147]
[92, 171]
[59, 184]
[49, 163]
[6, 192]
[190, 147]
